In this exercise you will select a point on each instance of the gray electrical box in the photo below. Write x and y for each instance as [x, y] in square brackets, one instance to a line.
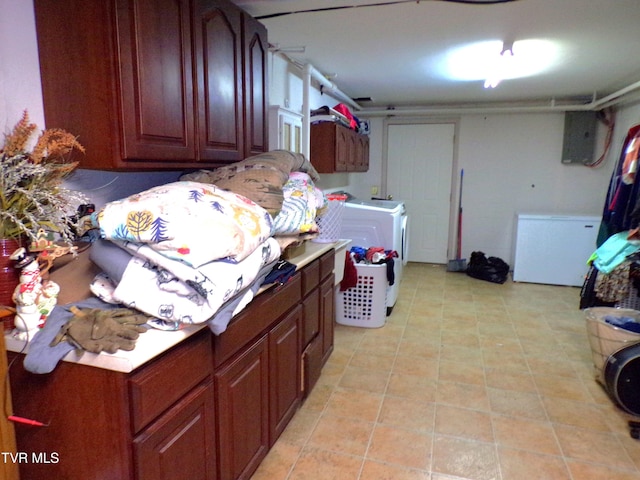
[579, 137]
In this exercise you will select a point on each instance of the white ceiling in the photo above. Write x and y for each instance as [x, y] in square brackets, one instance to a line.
[390, 52]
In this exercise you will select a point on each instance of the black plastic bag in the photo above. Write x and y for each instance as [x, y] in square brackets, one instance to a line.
[492, 269]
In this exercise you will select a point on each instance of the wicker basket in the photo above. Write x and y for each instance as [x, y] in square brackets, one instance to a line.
[606, 339]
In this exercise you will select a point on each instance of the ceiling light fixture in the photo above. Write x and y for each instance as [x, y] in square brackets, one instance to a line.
[501, 66]
[495, 60]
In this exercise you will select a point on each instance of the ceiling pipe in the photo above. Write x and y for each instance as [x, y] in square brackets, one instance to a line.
[608, 101]
[616, 97]
[309, 72]
[327, 86]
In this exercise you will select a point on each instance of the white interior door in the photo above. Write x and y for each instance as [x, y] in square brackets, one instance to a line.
[419, 172]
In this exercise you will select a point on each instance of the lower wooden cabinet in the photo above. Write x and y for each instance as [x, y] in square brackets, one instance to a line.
[327, 315]
[284, 372]
[179, 444]
[318, 321]
[242, 400]
[209, 408]
[257, 394]
[110, 425]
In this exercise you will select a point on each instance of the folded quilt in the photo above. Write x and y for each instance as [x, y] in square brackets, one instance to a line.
[187, 221]
[260, 178]
[174, 291]
[302, 200]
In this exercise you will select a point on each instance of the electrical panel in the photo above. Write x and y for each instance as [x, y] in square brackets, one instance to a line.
[579, 137]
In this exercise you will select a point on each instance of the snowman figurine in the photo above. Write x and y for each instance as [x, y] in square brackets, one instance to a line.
[34, 298]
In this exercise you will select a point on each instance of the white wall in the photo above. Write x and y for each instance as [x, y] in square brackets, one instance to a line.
[19, 69]
[512, 163]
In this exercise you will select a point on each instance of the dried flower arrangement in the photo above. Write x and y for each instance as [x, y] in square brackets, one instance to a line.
[32, 197]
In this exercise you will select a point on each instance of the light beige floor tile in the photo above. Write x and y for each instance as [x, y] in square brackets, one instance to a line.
[520, 464]
[464, 423]
[551, 364]
[577, 413]
[464, 458]
[340, 434]
[467, 380]
[413, 387]
[426, 347]
[561, 387]
[364, 379]
[332, 373]
[525, 434]
[374, 470]
[516, 404]
[318, 398]
[419, 366]
[380, 362]
[400, 447]
[461, 372]
[462, 339]
[300, 427]
[592, 446]
[504, 359]
[584, 470]
[325, 465]
[278, 462]
[380, 344]
[462, 395]
[357, 404]
[406, 413]
[456, 353]
[510, 379]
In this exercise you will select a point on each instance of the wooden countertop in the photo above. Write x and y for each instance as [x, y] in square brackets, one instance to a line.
[154, 342]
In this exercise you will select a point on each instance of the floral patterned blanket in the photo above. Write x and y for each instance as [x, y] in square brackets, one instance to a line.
[191, 222]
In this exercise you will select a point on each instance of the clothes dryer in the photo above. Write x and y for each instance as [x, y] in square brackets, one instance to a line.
[379, 223]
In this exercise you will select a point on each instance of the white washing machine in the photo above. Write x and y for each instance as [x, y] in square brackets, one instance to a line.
[379, 223]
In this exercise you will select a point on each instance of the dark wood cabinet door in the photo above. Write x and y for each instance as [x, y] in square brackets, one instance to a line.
[362, 153]
[255, 86]
[242, 396]
[218, 59]
[327, 315]
[88, 433]
[285, 388]
[342, 149]
[156, 79]
[311, 317]
[180, 444]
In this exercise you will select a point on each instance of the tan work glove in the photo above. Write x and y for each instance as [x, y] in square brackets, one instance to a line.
[96, 330]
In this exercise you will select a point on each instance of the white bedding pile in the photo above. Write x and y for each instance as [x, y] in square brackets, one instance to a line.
[191, 248]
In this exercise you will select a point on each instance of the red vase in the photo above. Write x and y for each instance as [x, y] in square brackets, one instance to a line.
[9, 279]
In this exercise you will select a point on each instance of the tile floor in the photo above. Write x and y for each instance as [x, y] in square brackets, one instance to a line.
[467, 380]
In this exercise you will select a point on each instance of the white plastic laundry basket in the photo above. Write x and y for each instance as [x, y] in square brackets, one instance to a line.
[329, 224]
[364, 304]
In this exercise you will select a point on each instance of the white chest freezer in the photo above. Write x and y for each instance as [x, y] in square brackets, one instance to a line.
[554, 249]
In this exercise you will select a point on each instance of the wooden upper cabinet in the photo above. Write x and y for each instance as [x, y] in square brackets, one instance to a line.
[255, 86]
[218, 43]
[336, 148]
[154, 48]
[154, 84]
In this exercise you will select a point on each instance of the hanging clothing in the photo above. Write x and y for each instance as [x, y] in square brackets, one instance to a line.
[622, 198]
[613, 252]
